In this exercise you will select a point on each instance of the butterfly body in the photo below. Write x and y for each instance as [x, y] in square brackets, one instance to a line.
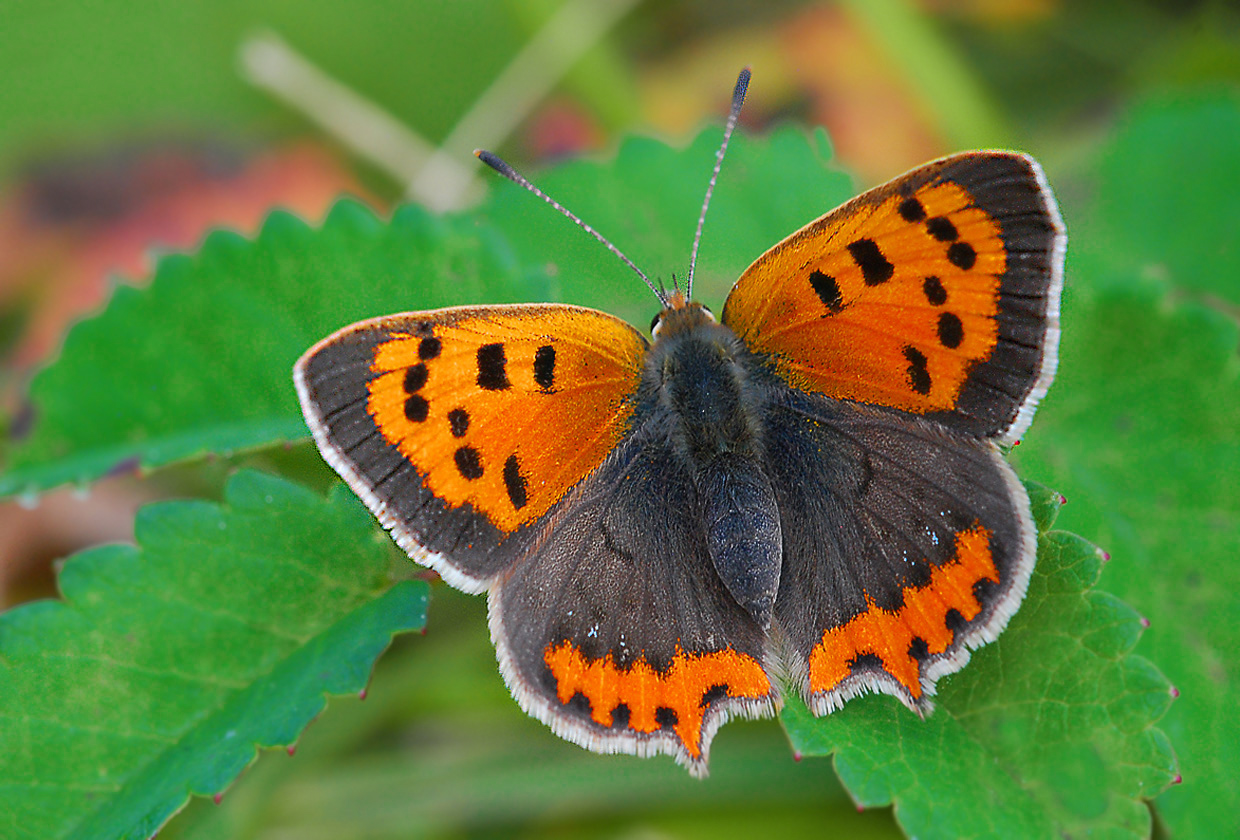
[711, 392]
[808, 495]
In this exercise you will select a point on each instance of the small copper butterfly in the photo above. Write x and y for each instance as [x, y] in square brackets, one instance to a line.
[810, 486]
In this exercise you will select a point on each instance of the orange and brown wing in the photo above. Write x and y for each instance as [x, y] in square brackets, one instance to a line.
[461, 427]
[617, 632]
[936, 294]
[916, 548]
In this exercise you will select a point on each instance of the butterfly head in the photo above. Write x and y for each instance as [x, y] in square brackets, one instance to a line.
[679, 315]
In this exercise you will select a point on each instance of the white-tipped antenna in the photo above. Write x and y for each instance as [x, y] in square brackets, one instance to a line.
[513, 175]
[738, 99]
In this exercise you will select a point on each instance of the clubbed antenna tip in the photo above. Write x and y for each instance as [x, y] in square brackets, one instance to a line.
[738, 99]
[497, 164]
[738, 93]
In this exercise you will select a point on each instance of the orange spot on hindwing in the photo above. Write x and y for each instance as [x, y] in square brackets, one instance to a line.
[683, 688]
[890, 634]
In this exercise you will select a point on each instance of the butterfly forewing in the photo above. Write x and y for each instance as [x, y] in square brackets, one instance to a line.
[459, 427]
[936, 294]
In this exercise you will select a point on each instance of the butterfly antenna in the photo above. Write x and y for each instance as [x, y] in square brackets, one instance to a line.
[738, 99]
[500, 166]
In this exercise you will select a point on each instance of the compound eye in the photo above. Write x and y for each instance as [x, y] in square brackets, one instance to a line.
[656, 324]
[709, 314]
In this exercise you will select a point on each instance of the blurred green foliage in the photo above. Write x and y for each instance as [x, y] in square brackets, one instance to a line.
[93, 71]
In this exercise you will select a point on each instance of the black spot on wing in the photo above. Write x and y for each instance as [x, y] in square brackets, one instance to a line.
[415, 378]
[875, 268]
[714, 694]
[942, 229]
[619, 716]
[429, 348]
[417, 408]
[935, 293]
[911, 210]
[984, 590]
[493, 368]
[580, 704]
[544, 367]
[866, 662]
[955, 621]
[962, 255]
[918, 373]
[514, 482]
[828, 291]
[468, 463]
[458, 422]
[951, 330]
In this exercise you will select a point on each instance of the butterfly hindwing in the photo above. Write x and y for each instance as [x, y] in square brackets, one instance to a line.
[461, 427]
[936, 294]
[616, 631]
[915, 546]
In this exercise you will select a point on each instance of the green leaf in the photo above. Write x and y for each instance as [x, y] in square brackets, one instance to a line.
[168, 664]
[1142, 430]
[1047, 732]
[201, 361]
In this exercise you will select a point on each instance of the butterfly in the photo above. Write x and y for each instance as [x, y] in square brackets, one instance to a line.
[806, 494]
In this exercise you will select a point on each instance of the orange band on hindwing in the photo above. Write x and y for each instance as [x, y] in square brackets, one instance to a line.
[682, 689]
[890, 634]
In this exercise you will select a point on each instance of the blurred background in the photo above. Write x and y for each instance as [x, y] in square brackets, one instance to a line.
[129, 130]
